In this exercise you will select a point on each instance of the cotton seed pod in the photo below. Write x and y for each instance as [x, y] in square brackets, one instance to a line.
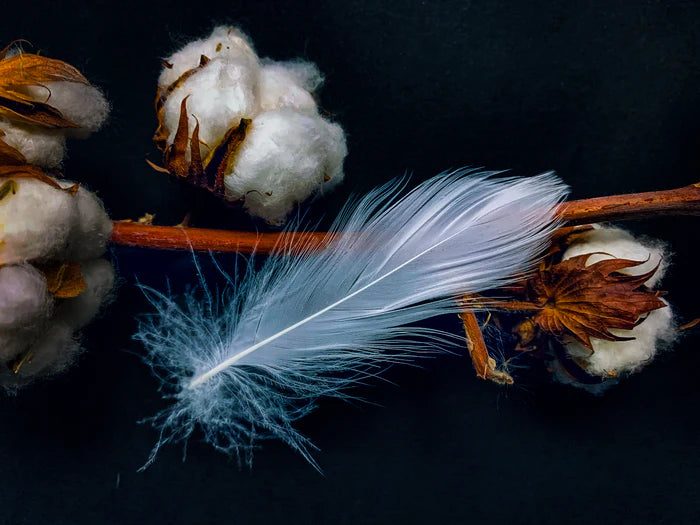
[653, 332]
[246, 129]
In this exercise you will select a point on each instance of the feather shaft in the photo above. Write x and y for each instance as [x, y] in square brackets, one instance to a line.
[310, 323]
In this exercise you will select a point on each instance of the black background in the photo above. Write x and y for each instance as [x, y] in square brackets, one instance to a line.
[604, 92]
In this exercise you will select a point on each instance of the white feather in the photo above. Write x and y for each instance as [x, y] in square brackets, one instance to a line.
[244, 367]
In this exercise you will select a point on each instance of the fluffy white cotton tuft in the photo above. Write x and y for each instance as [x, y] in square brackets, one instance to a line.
[42, 222]
[289, 85]
[224, 42]
[41, 146]
[35, 222]
[90, 228]
[653, 333]
[286, 157]
[290, 152]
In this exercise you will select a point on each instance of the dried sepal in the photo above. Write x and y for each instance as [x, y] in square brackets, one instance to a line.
[27, 69]
[10, 156]
[63, 279]
[206, 173]
[30, 171]
[163, 93]
[584, 301]
[222, 157]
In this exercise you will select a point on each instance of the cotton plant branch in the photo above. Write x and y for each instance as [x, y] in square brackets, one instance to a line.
[681, 201]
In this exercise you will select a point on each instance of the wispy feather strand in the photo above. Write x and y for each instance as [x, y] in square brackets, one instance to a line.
[244, 366]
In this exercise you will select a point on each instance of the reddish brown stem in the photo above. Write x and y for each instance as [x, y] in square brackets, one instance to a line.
[484, 365]
[681, 201]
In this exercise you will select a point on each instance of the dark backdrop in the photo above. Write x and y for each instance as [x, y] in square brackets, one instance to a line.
[604, 92]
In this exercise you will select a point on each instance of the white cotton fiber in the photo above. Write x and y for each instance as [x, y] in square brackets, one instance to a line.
[24, 301]
[220, 95]
[289, 85]
[41, 146]
[224, 42]
[286, 157]
[41, 222]
[82, 104]
[53, 351]
[290, 152]
[91, 227]
[35, 222]
[76, 312]
[656, 331]
[616, 357]
[615, 242]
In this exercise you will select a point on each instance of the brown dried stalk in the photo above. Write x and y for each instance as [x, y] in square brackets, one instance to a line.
[681, 201]
[484, 365]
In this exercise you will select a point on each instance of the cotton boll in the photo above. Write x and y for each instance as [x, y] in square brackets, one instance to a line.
[617, 243]
[286, 157]
[288, 85]
[91, 227]
[35, 222]
[224, 42]
[220, 95]
[616, 357]
[24, 301]
[40, 146]
[78, 311]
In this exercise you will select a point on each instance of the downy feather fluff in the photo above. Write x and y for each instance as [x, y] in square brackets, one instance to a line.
[245, 365]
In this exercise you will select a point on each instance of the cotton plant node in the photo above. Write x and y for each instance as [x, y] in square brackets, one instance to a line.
[244, 128]
[53, 232]
[590, 311]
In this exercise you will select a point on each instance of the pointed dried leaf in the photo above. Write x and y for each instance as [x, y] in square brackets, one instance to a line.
[63, 280]
[222, 157]
[27, 69]
[9, 156]
[29, 171]
[175, 156]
